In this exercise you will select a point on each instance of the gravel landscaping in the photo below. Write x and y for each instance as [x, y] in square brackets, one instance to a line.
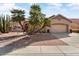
[45, 40]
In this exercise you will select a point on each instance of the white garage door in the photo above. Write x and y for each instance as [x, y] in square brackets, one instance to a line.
[58, 28]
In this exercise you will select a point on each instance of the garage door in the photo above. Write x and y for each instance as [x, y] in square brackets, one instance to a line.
[58, 28]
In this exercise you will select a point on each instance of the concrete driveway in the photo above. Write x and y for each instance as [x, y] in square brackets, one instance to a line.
[72, 39]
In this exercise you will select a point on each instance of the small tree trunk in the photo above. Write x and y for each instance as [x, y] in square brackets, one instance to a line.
[21, 25]
[40, 29]
[32, 30]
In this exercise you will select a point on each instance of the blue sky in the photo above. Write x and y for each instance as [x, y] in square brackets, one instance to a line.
[70, 10]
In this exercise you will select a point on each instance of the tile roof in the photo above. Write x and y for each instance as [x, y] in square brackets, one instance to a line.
[60, 16]
[75, 20]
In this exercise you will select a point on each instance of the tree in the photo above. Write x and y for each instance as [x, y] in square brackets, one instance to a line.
[37, 19]
[18, 16]
[46, 22]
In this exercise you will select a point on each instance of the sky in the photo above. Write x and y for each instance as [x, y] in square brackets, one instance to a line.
[69, 10]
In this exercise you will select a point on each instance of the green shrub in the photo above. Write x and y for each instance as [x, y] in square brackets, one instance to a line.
[43, 31]
[76, 31]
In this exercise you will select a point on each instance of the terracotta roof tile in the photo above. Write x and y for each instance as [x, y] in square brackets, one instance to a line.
[60, 16]
[75, 20]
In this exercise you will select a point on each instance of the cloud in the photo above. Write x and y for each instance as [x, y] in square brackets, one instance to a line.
[55, 4]
[73, 6]
[5, 8]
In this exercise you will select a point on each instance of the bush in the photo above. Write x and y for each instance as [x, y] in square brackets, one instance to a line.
[44, 31]
[76, 31]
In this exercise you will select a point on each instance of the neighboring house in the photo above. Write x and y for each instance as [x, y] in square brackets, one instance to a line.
[15, 27]
[75, 24]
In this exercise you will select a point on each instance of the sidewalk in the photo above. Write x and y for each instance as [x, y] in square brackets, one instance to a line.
[46, 50]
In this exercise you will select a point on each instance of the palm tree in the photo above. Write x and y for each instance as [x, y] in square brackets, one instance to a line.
[37, 19]
[18, 16]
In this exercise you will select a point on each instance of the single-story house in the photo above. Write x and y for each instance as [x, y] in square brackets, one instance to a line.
[59, 23]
